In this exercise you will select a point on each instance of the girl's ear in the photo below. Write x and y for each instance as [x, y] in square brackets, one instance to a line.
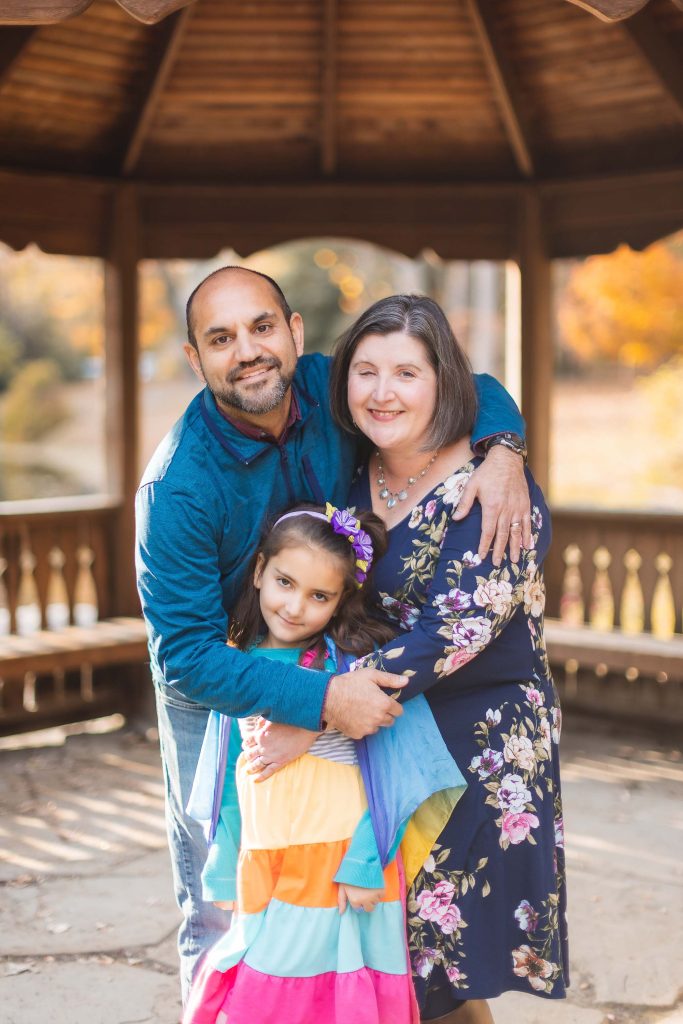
[258, 571]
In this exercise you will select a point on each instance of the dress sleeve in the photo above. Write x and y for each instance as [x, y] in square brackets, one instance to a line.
[361, 863]
[497, 410]
[469, 603]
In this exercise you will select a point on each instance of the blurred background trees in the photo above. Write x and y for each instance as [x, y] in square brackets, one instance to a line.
[616, 435]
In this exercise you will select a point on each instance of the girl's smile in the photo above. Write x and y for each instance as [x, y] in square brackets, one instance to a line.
[298, 594]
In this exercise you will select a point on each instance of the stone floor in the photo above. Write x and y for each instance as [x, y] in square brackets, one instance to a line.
[87, 918]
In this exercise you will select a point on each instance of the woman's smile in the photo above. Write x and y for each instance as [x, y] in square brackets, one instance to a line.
[392, 390]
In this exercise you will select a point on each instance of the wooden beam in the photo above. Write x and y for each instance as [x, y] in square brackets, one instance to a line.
[170, 38]
[13, 42]
[537, 340]
[40, 12]
[665, 61]
[47, 12]
[504, 85]
[149, 12]
[328, 148]
[122, 412]
[611, 10]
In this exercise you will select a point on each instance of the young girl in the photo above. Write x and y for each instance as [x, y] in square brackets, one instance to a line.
[318, 932]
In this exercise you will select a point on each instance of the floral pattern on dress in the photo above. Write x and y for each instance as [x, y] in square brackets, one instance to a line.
[529, 959]
[436, 903]
[472, 640]
[512, 764]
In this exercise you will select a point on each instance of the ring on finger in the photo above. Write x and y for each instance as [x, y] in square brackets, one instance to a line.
[515, 526]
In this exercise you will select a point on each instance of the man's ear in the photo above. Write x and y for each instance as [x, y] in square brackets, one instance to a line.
[193, 359]
[296, 326]
[258, 571]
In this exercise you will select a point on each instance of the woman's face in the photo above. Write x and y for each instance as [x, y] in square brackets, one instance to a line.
[392, 391]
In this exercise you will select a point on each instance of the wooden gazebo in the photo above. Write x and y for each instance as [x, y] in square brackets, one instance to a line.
[492, 129]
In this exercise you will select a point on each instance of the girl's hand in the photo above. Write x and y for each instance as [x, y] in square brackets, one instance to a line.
[274, 745]
[359, 899]
[224, 904]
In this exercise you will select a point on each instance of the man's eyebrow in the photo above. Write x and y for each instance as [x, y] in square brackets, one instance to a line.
[226, 330]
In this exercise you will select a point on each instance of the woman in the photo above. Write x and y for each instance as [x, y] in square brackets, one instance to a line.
[486, 913]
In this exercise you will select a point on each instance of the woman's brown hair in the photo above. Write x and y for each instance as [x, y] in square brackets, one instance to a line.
[353, 628]
[455, 408]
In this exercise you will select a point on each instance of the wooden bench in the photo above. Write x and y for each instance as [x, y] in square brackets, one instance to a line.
[618, 675]
[63, 655]
[614, 651]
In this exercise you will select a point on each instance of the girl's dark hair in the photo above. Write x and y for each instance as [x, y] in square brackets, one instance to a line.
[455, 408]
[353, 627]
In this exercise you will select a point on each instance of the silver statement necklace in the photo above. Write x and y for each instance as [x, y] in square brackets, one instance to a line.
[391, 497]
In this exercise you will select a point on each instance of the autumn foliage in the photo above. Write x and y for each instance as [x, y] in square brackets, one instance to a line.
[626, 307]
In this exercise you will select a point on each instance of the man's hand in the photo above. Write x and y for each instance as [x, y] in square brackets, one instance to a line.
[501, 488]
[273, 745]
[360, 899]
[355, 704]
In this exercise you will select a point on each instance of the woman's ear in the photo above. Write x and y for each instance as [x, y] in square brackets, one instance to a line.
[258, 571]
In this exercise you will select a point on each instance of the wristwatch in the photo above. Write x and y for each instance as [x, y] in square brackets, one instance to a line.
[513, 442]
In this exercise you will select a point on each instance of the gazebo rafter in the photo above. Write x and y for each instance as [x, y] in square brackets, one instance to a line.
[170, 35]
[663, 60]
[13, 42]
[504, 85]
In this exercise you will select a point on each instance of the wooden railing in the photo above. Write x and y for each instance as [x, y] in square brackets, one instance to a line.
[617, 569]
[614, 604]
[59, 634]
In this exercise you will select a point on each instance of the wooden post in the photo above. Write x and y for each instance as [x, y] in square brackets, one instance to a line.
[537, 340]
[121, 347]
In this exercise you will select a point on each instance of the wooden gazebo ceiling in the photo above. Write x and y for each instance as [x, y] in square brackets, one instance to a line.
[304, 91]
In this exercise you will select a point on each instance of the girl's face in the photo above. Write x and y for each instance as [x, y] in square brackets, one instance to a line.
[300, 590]
[392, 391]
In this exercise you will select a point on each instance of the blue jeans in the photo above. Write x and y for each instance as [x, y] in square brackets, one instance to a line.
[181, 731]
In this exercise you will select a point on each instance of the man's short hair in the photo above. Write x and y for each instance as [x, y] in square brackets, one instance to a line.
[279, 297]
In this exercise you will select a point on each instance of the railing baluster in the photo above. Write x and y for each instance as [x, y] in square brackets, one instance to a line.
[602, 597]
[632, 606]
[663, 611]
[572, 610]
[5, 617]
[28, 612]
[85, 592]
[57, 614]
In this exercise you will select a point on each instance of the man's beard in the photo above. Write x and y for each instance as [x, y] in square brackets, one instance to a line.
[264, 399]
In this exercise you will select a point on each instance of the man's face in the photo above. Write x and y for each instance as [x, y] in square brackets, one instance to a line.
[246, 351]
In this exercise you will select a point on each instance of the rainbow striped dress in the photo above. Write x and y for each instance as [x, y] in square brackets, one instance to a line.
[290, 956]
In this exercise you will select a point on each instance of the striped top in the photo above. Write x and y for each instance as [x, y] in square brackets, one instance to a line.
[331, 744]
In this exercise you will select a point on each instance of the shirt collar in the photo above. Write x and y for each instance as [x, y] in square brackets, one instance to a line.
[256, 433]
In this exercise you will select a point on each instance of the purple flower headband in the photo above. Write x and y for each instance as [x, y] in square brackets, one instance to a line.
[346, 525]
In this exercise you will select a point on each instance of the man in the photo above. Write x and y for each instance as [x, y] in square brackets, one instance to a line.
[258, 439]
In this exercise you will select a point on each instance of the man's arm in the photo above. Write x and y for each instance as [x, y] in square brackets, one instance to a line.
[180, 589]
[499, 483]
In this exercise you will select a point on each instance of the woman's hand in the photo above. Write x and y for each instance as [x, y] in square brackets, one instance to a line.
[359, 899]
[501, 488]
[224, 904]
[272, 745]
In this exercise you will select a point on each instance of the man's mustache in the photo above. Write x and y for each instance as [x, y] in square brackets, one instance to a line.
[235, 374]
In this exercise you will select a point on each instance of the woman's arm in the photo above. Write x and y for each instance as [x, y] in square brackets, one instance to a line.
[470, 602]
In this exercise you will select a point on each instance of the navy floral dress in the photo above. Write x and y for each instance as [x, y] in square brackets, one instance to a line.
[487, 912]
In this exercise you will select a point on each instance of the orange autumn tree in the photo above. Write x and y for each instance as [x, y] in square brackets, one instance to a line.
[626, 307]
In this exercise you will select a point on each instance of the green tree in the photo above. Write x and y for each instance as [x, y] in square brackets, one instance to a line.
[33, 405]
